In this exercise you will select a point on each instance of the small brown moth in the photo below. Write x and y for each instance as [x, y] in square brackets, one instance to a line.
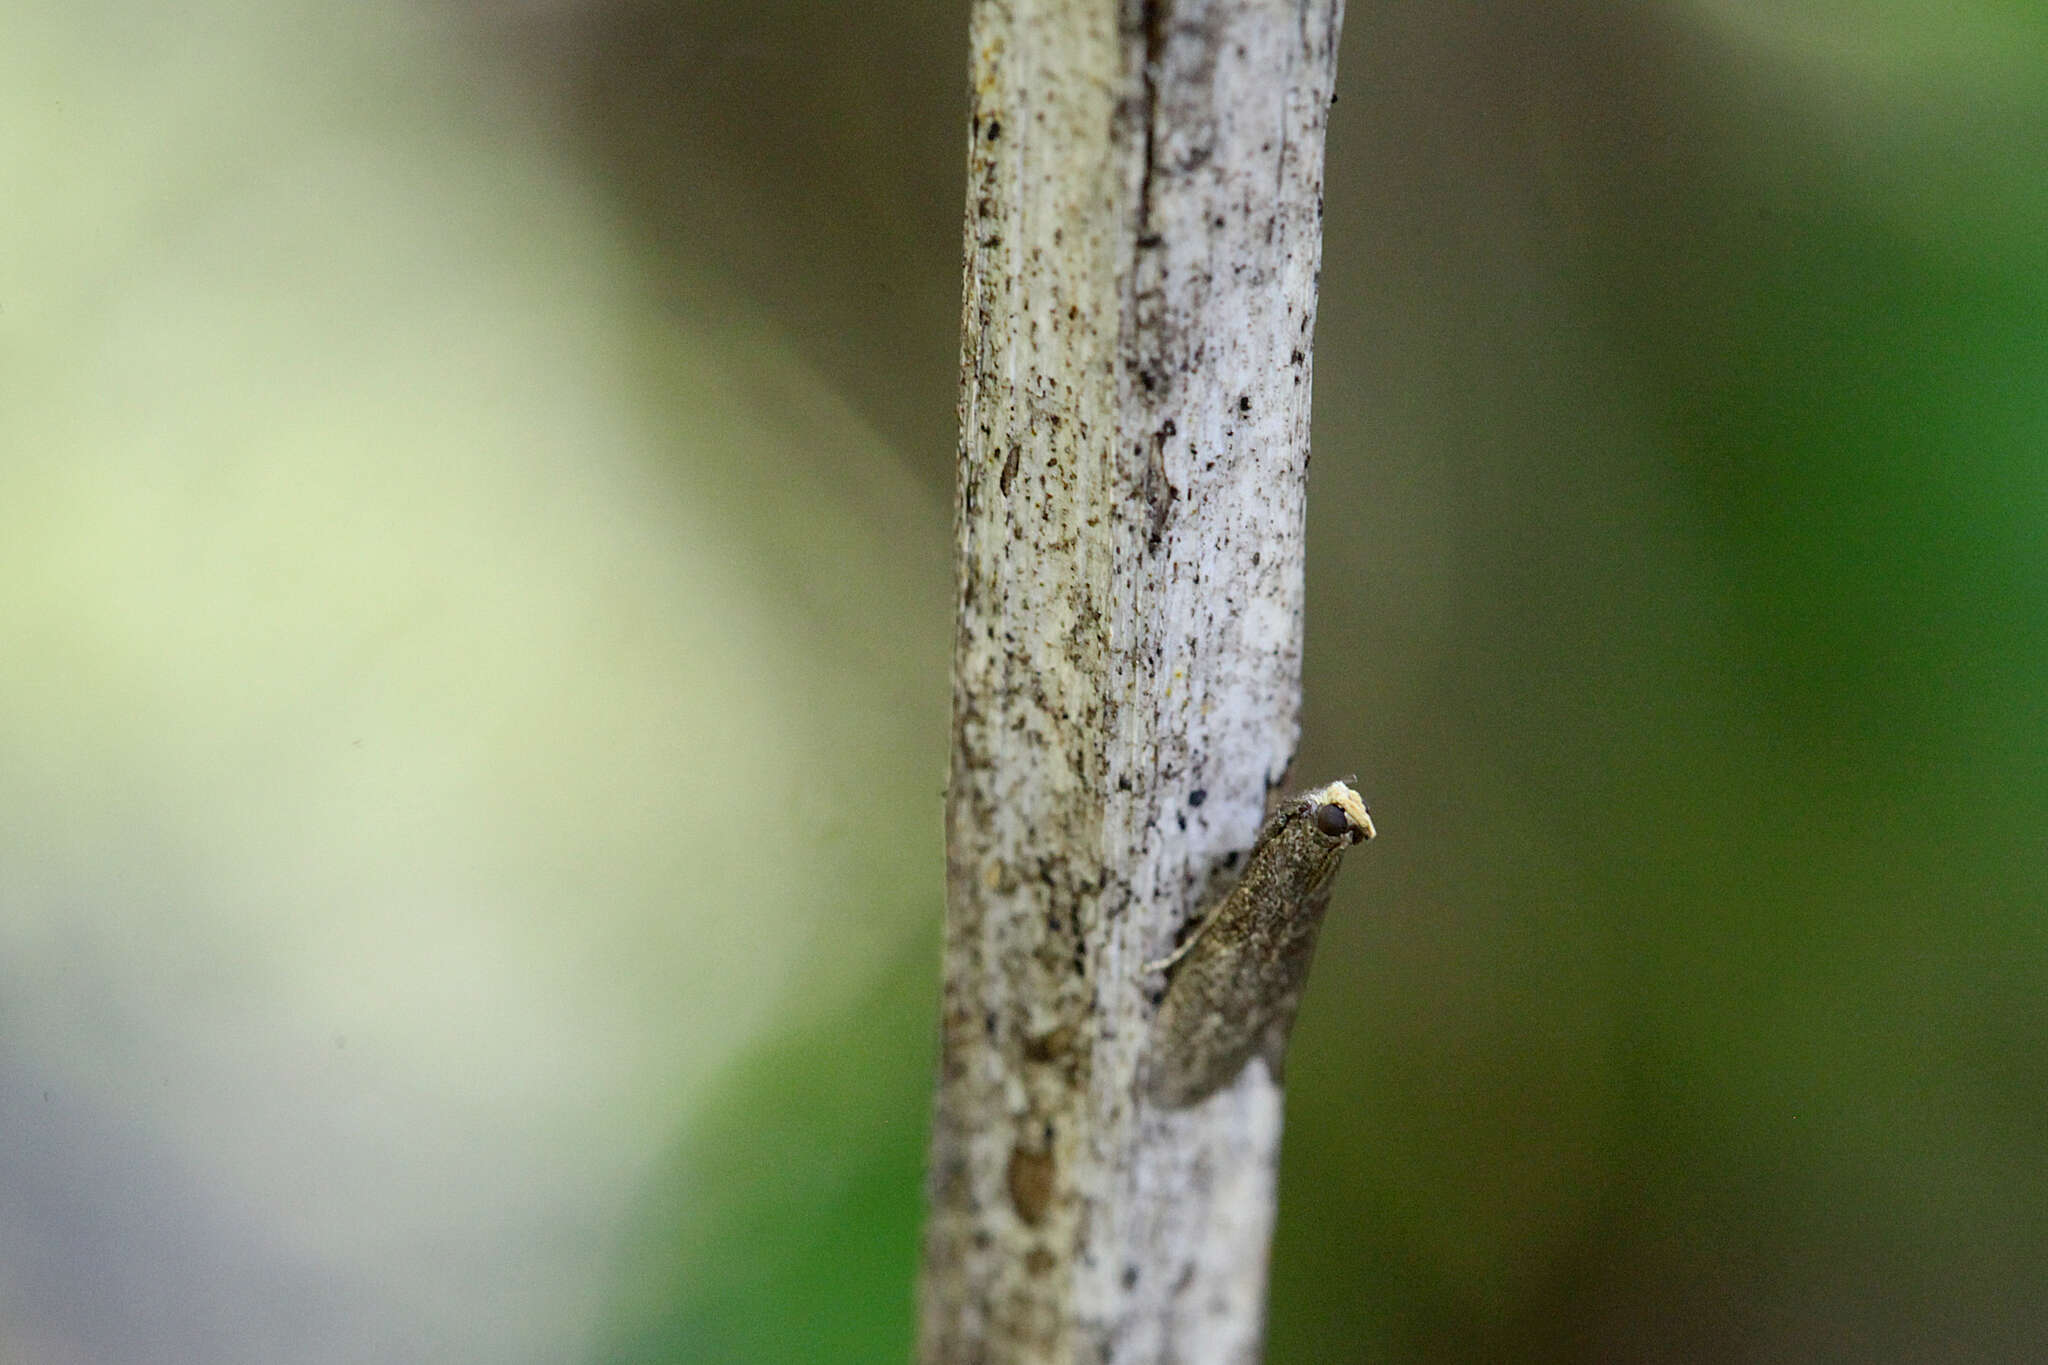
[1233, 988]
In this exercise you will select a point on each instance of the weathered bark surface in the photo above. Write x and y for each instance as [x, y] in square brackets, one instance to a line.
[1143, 236]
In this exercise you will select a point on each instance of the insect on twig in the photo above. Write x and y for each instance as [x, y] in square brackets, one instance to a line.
[1235, 985]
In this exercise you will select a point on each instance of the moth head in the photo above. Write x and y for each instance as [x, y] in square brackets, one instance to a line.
[1338, 813]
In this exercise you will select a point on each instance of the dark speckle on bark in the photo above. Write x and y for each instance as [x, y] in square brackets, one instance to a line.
[1031, 1181]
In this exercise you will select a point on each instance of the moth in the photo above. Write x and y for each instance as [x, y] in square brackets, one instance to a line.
[1233, 988]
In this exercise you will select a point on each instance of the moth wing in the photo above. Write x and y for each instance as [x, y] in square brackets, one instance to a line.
[1273, 1047]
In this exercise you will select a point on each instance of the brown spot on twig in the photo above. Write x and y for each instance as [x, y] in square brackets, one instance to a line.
[1050, 1047]
[1030, 1177]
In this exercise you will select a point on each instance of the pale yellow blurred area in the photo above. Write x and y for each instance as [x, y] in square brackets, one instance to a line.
[445, 711]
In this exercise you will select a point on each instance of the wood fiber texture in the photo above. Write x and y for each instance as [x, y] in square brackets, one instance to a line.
[1142, 241]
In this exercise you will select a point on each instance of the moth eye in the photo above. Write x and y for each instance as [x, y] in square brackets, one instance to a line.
[1332, 820]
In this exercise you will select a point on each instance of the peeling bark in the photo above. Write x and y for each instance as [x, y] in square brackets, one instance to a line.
[1143, 235]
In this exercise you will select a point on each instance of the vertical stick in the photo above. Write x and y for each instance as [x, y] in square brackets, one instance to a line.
[1143, 237]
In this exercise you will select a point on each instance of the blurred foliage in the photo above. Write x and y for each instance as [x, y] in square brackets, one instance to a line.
[792, 1225]
[555, 400]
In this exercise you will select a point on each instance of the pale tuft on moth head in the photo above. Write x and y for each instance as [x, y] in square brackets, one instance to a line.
[1339, 813]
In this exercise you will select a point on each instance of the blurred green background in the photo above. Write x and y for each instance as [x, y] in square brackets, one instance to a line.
[474, 506]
